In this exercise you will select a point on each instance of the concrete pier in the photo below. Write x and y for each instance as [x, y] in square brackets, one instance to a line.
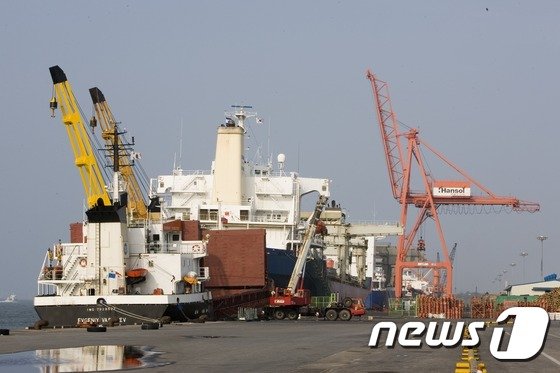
[306, 345]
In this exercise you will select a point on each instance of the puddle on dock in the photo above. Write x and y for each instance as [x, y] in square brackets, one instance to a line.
[81, 359]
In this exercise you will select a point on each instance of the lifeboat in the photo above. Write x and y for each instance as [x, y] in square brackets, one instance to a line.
[136, 275]
[137, 272]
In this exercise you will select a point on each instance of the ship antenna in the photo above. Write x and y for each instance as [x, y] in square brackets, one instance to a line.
[181, 145]
[268, 145]
[298, 157]
[241, 115]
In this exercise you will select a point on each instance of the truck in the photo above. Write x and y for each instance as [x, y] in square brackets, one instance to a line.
[290, 306]
[344, 310]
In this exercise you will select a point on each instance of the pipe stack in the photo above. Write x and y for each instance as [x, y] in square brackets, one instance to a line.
[444, 307]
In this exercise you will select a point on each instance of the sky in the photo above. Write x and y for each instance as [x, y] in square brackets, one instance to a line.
[479, 79]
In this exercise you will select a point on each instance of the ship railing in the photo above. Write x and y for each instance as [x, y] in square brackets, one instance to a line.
[42, 288]
[73, 252]
[274, 173]
[43, 266]
[71, 285]
[74, 248]
[195, 248]
[274, 218]
[376, 222]
[178, 172]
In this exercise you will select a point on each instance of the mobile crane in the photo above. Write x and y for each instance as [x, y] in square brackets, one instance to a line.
[84, 156]
[290, 301]
[287, 301]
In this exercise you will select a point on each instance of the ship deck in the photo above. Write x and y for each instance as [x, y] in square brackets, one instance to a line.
[307, 345]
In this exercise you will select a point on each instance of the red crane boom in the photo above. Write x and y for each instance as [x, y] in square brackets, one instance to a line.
[434, 194]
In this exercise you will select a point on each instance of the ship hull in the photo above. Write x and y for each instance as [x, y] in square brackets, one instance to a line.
[122, 310]
[378, 300]
[280, 264]
[345, 289]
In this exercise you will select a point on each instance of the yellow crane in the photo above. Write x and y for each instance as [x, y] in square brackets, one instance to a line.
[84, 156]
[136, 205]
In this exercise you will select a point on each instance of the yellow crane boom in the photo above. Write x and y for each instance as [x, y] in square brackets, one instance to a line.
[136, 204]
[84, 156]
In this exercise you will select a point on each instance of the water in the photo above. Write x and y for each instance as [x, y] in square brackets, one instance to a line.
[17, 315]
[81, 359]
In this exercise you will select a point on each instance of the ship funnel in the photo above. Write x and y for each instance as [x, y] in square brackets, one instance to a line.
[228, 165]
[229, 161]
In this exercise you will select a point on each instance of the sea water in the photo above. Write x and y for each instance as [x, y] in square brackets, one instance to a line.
[17, 315]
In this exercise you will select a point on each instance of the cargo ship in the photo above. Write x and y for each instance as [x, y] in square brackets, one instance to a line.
[110, 273]
[117, 270]
[239, 194]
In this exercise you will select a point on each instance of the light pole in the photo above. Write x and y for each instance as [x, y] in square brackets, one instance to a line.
[524, 255]
[542, 238]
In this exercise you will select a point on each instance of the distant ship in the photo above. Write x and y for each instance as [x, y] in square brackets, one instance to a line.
[10, 299]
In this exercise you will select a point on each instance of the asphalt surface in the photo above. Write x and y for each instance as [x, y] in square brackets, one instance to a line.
[306, 345]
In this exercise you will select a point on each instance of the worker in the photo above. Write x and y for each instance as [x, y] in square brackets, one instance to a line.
[58, 252]
[50, 255]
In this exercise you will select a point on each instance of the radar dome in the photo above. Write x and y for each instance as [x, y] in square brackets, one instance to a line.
[281, 158]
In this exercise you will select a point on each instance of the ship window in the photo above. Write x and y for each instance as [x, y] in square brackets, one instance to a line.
[244, 215]
[155, 237]
[175, 237]
[257, 172]
[206, 214]
[274, 217]
[264, 173]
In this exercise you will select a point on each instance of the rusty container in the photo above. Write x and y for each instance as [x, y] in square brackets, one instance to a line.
[237, 258]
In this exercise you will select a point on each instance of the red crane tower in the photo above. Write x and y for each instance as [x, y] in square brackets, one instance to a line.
[401, 158]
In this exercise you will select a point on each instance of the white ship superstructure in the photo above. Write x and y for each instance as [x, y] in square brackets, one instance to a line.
[236, 193]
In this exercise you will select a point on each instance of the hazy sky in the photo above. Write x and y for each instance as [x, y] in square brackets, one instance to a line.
[479, 78]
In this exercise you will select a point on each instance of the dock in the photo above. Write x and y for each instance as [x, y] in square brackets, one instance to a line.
[305, 345]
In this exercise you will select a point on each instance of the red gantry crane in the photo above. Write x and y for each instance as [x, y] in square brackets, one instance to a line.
[401, 158]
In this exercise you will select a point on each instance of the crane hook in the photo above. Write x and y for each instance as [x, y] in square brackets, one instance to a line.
[53, 105]
[93, 123]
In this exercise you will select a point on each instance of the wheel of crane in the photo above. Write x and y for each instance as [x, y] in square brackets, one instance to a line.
[331, 315]
[279, 314]
[345, 315]
[292, 315]
[347, 302]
